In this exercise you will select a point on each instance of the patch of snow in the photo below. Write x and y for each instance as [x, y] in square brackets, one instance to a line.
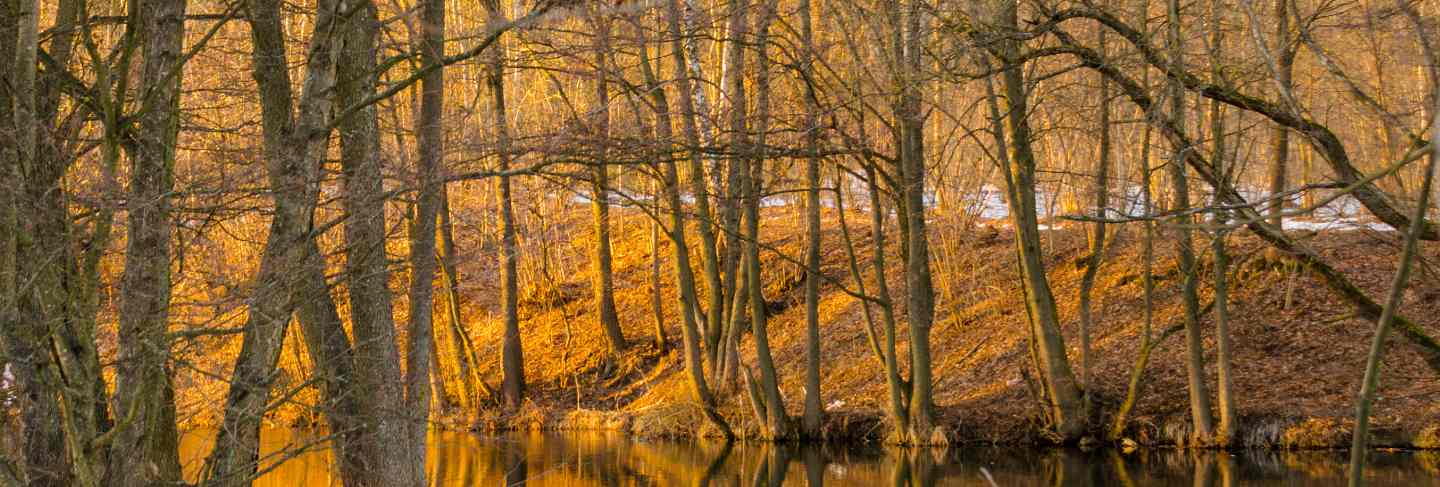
[616, 197]
[1337, 224]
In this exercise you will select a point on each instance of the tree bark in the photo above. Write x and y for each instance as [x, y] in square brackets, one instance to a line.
[512, 354]
[1279, 168]
[813, 417]
[43, 445]
[684, 276]
[147, 452]
[1370, 383]
[464, 349]
[1225, 428]
[430, 139]
[772, 406]
[703, 215]
[1100, 192]
[1064, 396]
[1200, 415]
[367, 273]
[292, 271]
[921, 294]
[602, 275]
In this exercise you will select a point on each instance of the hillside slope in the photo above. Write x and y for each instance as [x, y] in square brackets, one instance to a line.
[1298, 353]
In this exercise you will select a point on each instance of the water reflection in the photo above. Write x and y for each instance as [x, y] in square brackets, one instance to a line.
[598, 459]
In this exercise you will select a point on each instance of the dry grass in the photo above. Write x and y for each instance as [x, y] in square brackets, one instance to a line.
[1296, 366]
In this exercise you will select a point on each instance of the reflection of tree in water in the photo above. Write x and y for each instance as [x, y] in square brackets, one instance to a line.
[772, 465]
[517, 468]
[716, 464]
[598, 459]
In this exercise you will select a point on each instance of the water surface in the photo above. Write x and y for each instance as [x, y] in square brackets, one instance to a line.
[604, 459]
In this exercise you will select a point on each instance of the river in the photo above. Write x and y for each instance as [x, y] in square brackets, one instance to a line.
[605, 459]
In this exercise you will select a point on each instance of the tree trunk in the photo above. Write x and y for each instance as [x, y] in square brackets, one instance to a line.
[512, 354]
[684, 276]
[294, 145]
[1370, 383]
[775, 418]
[656, 297]
[1286, 63]
[9, 225]
[377, 353]
[337, 363]
[235, 456]
[814, 409]
[465, 354]
[430, 139]
[40, 314]
[703, 215]
[1064, 395]
[43, 445]
[1200, 415]
[771, 404]
[1100, 191]
[1136, 384]
[921, 294]
[143, 387]
[1224, 394]
[601, 273]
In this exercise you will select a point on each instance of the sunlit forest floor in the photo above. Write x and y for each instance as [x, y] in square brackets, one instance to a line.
[1298, 351]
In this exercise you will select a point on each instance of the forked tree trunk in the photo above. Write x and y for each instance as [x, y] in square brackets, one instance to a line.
[684, 276]
[292, 270]
[921, 294]
[769, 404]
[698, 190]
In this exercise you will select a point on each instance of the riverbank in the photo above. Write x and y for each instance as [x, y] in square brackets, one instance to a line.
[603, 459]
[1298, 351]
[851, 428]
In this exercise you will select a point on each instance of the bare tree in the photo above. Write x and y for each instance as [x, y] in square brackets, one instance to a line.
[143, 386]
[602, 281]
[430, 138]
[814, 408]
[512, 355]
[1064, 403]
[1366, 397]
